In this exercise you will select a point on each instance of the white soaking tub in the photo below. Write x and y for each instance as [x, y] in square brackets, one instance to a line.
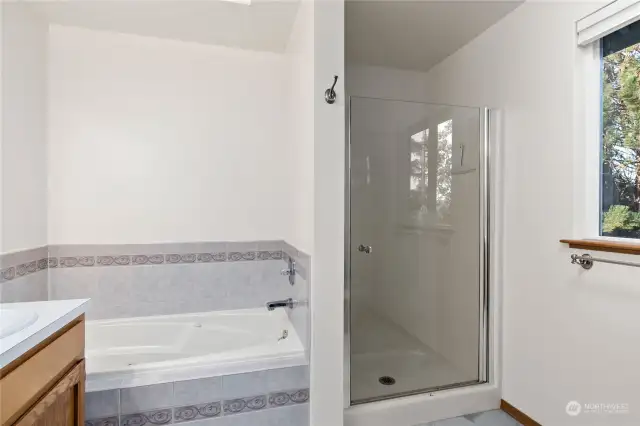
[140, 351]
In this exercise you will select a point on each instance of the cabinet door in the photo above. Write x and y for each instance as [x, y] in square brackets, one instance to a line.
[63, 405]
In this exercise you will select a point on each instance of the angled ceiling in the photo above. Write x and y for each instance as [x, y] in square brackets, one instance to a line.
[245, 24]
[415, 35]
[402, 34]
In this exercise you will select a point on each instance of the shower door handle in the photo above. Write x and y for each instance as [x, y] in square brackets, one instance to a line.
[364, 249]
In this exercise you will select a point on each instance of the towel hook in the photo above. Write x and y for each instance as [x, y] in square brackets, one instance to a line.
[330, 94]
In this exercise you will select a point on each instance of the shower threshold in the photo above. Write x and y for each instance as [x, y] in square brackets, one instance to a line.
[417, 392]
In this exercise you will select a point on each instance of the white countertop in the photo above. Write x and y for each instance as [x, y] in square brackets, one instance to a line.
[53, 315]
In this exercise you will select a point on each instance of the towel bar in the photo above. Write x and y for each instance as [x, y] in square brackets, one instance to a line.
[586, 261]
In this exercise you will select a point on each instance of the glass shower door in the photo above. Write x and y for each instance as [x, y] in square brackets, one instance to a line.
[416, 248]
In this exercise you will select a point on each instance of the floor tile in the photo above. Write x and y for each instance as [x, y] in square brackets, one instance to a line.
[486, 418]
[457, 421]
[492, 418]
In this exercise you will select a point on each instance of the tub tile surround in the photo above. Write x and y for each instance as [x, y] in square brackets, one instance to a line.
[170, 278]
[145, 398]
[295, 415]
[103, 404]
[303, 260]
[135, 291]
[155, 417]
[33, 274]
[159, 279]
[197, 412]
[198, 391]
[162, 253]
[23, 275]
[208, 399]
[300, 317]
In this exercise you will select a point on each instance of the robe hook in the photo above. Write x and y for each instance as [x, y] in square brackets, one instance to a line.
[330, 94]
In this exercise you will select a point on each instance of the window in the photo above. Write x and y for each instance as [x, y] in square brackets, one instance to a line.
[430, 178]
[620, 143]
[419, 179]
[607, 145]
[445, 163]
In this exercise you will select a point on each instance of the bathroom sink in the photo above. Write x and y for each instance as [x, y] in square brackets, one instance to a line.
[14, 320]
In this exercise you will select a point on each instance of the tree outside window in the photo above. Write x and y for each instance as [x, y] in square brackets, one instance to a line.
[620, 185]
[426, 201]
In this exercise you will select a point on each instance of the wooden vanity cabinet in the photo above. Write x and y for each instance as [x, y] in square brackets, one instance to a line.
[45, 386]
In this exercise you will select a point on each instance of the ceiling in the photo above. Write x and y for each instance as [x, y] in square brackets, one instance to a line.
[415, 35]
[402, 34]
[245, 24]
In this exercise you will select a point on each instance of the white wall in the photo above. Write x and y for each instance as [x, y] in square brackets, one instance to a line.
[2, 26]
[327, 270]
[23, 157]
[567, 334]
[299, 154]
[155, 140]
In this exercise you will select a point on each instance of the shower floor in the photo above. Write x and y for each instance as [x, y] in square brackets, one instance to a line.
[381, 348]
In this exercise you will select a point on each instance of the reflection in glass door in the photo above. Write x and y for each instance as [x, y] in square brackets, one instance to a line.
[416, 256]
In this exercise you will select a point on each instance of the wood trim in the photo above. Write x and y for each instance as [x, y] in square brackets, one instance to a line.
[78, 396]
[63, 389]
[37, 348]
[602, 245]
[23, 386]
[518, 415]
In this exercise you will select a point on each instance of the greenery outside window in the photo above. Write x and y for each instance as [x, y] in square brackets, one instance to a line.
[430, 181]
[620, 168]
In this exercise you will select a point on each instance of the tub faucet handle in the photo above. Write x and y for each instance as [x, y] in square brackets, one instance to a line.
[290, 271]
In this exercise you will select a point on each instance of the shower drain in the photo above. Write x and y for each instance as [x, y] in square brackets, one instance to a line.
[387, 380]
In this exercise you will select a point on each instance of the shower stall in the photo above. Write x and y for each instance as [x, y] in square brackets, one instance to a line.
[416, 248]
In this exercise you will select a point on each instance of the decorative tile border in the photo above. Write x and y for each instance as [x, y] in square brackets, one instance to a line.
[14, 265]
[242, 405]
[156, 417]
[160, 259]
[20, 264]
[107, 421]
[189, 413]
[269, 255]
[21, 270]
[281, 399]
[197, 412]
[70, 262]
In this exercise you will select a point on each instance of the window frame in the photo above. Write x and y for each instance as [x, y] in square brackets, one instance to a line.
[588, 128]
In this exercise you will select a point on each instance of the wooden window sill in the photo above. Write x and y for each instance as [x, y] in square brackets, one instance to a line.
[603, 245]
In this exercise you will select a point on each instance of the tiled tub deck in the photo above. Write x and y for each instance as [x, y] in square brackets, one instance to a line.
[269, 397]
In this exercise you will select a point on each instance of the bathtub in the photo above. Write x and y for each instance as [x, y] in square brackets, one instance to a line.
[130, 352]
